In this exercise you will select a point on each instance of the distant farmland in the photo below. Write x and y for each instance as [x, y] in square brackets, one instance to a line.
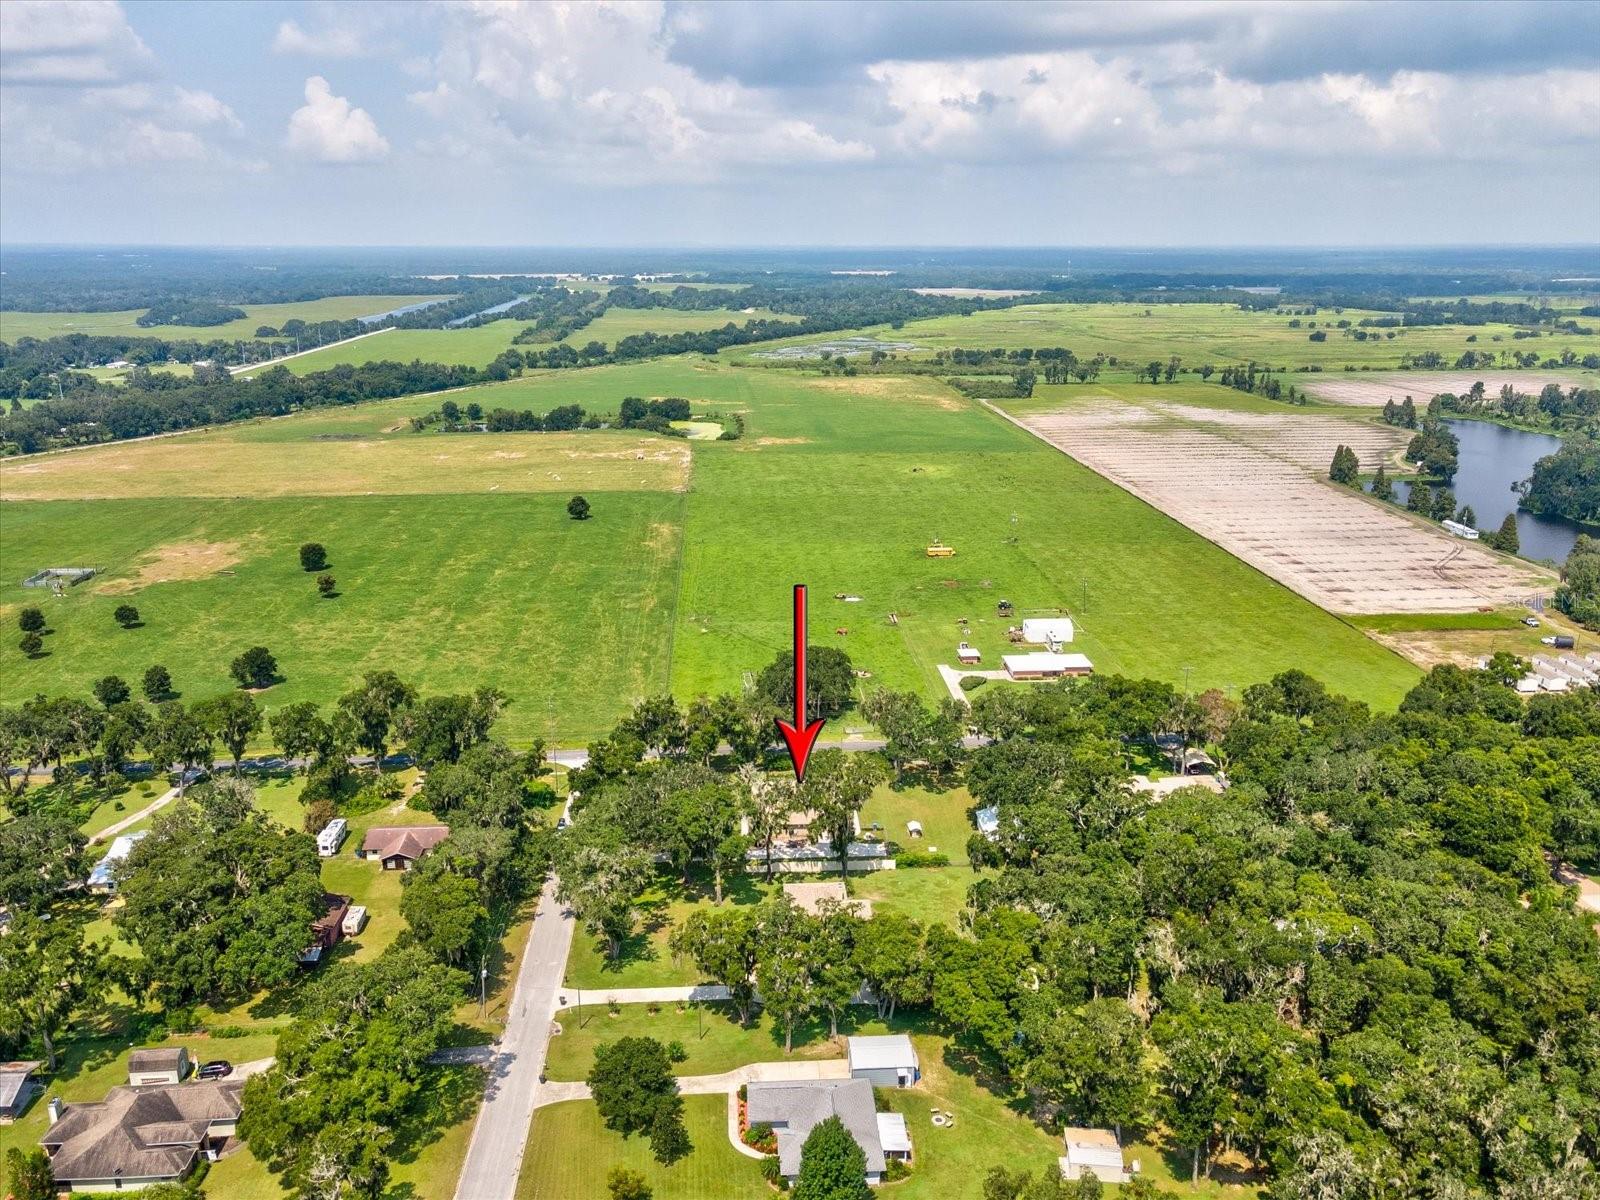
[14, 325]
[457, 565]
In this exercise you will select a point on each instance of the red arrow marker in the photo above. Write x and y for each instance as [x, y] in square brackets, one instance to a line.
[799, 737]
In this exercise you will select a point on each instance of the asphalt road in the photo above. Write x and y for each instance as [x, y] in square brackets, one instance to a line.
[494, 1156]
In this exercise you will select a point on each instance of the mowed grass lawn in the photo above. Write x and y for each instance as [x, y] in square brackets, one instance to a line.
[710, 1033]
[570, 1151]
[124, 322]
[988, 1131]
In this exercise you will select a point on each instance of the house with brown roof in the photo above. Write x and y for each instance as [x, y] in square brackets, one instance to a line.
[140, 1136]
[398, 847]
[17, 1086]
[328, 929]
[148, 1068]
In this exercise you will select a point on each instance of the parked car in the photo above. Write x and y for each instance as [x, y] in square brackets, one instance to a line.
[1531, 622]
[217, 1068]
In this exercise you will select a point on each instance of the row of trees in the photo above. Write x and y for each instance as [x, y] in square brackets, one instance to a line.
[1573, 407]
[1579, 593]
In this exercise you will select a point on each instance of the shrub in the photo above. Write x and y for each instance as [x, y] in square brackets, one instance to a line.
[770, 1169]
[313, 557]
[896, 1169]
[971, 683]
[922, 858]
[126, 615]
[760, 1137]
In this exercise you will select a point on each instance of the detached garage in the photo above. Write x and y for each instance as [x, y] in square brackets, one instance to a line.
[887, 1061]
[151, 1068]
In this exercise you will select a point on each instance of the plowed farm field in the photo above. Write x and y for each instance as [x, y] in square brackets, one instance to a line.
[1256, 485]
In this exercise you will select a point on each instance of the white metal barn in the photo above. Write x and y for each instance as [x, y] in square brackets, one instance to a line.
[1094, 1150]
[886, 1061]
[1046, 631]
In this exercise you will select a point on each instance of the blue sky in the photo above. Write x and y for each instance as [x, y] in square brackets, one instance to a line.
[784, 124]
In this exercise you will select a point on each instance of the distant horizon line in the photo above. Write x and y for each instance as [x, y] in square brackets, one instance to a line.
[853, 247]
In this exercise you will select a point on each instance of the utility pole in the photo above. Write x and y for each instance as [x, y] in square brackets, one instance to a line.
[483, 990]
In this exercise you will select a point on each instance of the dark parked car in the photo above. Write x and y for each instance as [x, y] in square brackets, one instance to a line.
[215, 1069]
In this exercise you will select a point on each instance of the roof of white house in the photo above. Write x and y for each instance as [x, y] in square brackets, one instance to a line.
[893, 1134]
[1047, 629]
[988, 819]
[1041, 660]
[121, 847]
[886, 1051]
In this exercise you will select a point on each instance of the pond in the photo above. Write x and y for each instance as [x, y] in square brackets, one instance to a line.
[490, 311]
[374, 318]
[1493, 459]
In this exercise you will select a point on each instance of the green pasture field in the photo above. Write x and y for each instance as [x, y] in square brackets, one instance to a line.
[14, 325]
[1214, 333]
[454, 592]
[839, 483]
[478, 345]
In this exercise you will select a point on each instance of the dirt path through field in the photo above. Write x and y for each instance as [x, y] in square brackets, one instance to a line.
[1255, 484]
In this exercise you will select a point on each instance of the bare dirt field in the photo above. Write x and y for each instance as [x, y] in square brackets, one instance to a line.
[1255, 484]
[1373, 389]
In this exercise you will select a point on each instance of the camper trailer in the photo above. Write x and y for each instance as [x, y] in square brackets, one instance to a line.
[332, 835]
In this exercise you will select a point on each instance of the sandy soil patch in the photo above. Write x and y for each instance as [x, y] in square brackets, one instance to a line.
[175, 562]
[1255, 484]
[216, 465]
[891, 387]
[1374, 391]
[779, 441]
[700, 431]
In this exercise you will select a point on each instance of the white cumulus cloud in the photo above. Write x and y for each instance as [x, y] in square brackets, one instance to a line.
[330, 129]
[329, 42]
[69, 43]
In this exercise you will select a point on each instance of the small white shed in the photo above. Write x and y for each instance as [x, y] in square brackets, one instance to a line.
[914, 828]
[1094, 1150]
[968, 654]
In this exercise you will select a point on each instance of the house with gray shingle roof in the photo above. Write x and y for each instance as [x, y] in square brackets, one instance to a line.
[794, 1109]
[17, 1086]
[138, 1136]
